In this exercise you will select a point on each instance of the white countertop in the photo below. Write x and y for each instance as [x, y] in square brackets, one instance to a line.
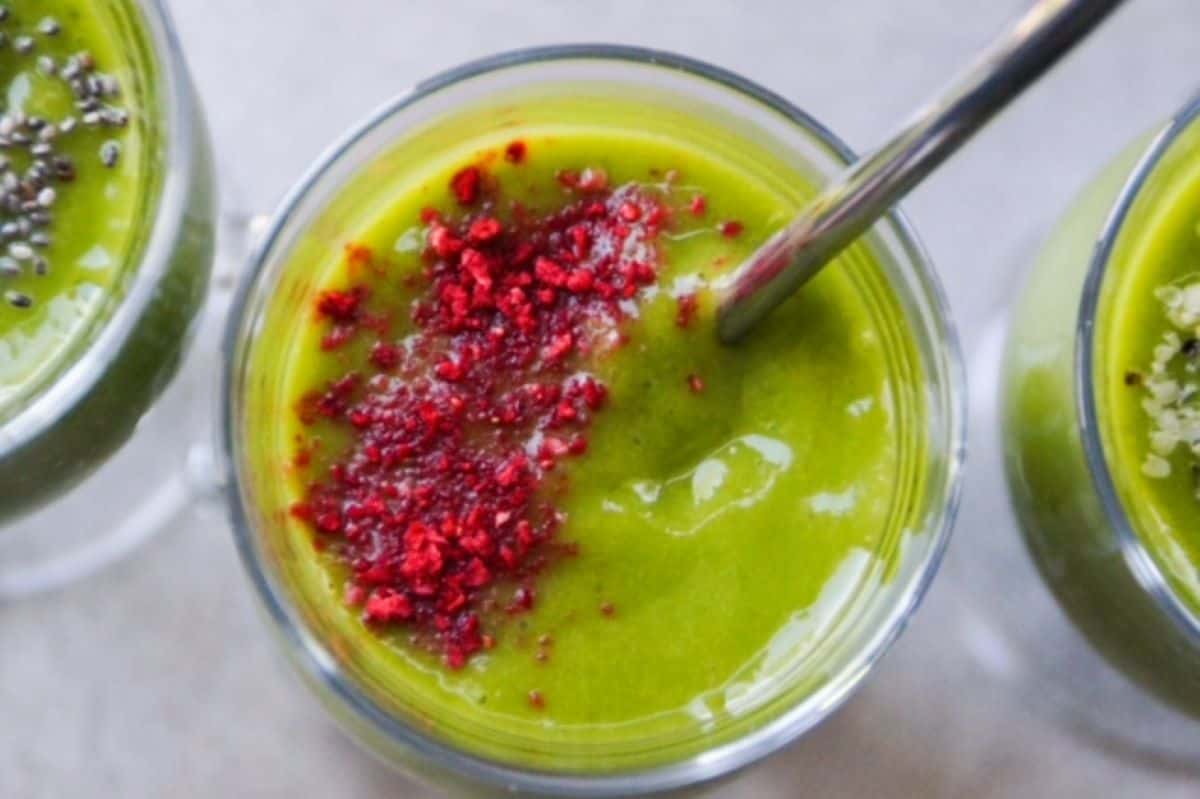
[157, 677]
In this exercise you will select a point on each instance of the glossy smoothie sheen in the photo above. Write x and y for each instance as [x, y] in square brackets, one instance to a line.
[732, 510]
[99, 215]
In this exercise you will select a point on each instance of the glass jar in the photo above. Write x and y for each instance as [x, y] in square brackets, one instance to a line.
[1058, 449]
[511, 84]
[56, 433]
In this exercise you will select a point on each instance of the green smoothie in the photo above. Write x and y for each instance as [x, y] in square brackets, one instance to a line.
[1143, 378]
[735, 508]
[97, 122]
[98, 215]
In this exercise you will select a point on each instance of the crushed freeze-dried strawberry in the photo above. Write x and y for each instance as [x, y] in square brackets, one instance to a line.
[441, 505]
[587, 180]
[358, 257]
[465, 185]
[688, 305]
[515, 151]
[732, 229]
[385, 356]
[342, 306]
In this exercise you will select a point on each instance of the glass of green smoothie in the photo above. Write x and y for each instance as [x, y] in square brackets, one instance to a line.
[1101, 452]
[516, 516]
[106, 243]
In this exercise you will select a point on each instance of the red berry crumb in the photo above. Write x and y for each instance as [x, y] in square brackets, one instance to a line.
[341, 306]
[483, 230]
[695, 384]
[385, 356]
[699, 205]
[358, 257]
[536, 700]
[345, 308]
[515, 151]
[587, 180]
[302, 458]
[355, 595]
[688, 305]
[732, 229]
[337, 337]
[465, 185]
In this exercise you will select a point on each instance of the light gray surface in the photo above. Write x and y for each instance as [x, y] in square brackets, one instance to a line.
[158, 678]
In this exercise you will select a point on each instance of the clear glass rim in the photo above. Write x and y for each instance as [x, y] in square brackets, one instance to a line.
[75, 382]
[1144, 566]
[318, 663]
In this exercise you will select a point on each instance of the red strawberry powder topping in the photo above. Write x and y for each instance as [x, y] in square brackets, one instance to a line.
[443, 505]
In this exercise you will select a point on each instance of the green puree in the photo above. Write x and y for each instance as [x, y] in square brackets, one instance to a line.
[733, 532]
[97, 217]
[1164, 250]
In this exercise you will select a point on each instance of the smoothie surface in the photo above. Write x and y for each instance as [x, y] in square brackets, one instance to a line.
[734, 506]
[1149, 389]
[71, 66]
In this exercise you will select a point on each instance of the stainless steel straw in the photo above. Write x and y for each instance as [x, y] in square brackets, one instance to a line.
[849, 205]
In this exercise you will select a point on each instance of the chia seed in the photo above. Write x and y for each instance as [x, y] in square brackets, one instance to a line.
[26, 200]
[18, 299]
[117, 117]
[64, 169]
[110, 153]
